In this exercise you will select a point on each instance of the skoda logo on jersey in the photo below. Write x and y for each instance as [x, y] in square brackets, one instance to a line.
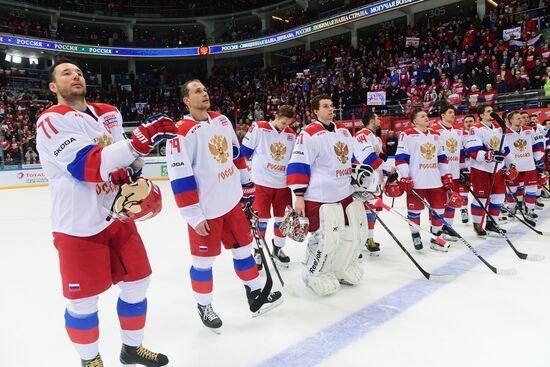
[342, 152]
[428, 151]
[218, 148]
[278, 151]
[63, 146]
[452, 145]
[520, 144]
[494, 142]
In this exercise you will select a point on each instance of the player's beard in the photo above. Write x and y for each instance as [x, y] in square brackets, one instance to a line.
[71, 95]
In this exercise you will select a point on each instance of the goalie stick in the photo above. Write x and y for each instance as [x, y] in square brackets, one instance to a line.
[429, 276]
[507, 271]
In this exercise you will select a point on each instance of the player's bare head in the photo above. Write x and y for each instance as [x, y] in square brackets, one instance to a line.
[66, 79]
[323, 107]
[484, 113]
[524, 118]
[371, 120]
[419, 118]
[284, 117]
[195, 95]
[447, 114]
[546, 123]
[469, 120]
[533, 119]
[515, 119]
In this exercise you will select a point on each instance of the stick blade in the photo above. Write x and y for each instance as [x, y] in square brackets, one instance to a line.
[535, 257]
[507, 271]
[442, 278]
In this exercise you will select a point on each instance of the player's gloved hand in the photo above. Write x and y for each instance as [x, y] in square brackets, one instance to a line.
[406, 183]
[153, 130]
[540, 166]
[465, 177]
[543, 179]
[383, 156]
[510, 174]
[447, 180]
[248, 195]
[494, 156]
[124, 175]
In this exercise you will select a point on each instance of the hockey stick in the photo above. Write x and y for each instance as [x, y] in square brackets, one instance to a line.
[437, 278]
[502, 126]
[527, 222]
[260, 240]
[507, 271]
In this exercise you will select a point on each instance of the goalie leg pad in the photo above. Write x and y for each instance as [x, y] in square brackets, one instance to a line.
[345, 263]
[322, 284]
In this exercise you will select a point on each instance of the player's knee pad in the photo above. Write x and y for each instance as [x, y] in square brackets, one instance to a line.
[497, 198]
[134, 292]
[326, 239]
[242, 252]
[200, 262]
[345, 261]
[83, 306]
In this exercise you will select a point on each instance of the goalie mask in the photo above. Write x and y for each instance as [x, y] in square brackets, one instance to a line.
[455, 200]
[294, 226]
[137, 201]
[393, 189]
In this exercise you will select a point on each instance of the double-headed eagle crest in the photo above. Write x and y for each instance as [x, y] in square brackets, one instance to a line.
[452, 145]
[219, 148]
[278, 151]
[520, 144]
[342, 152]
[427, 150]
[104, 140]
[494, 142]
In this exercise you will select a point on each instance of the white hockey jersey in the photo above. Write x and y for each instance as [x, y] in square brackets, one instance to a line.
[321, 163]
[270, 151]
[481, 139]
[452, 140]
[205, 178]
[78, 152]
[368, 150]
[421, 156]
[524, 147]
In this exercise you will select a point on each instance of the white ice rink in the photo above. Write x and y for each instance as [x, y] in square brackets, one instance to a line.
[394, 318]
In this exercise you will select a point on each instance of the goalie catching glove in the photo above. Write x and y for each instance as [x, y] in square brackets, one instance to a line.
[138, 201]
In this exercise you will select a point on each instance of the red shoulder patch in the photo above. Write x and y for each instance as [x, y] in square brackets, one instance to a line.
[60, 109]
[289, 130]
[410, 131]
[263, 125]
[102, 108]
[214, 114]
[340, 125]
[185, 125]
[313, 129]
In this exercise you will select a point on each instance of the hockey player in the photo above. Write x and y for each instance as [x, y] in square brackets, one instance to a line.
[85, 157]
[209, 185]
[270, 144]
[368, 151]
[528, 154]
[450, 136]
[468, 122]
[483, 148]
[319, 172]
[423, 167]
[542, 134]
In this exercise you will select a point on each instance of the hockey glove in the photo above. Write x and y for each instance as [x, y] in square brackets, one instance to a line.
[543, 179]
[155, 129]
[447, 180]
[510, 174]
[406, 183]
[465, 177]
[494, 156]
[248, 195]
[540, 166]
[124, 175]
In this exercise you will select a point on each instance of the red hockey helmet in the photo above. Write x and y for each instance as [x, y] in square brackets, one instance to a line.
[294, 226]
[543, 179]
[455, 200]
[393, 189]
[511, 174]
[137, 201]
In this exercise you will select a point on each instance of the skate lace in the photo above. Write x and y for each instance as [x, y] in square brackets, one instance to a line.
[146, 353]
[209, 313]
[96, 362]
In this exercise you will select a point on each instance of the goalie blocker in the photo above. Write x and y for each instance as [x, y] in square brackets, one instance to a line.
[334, 247]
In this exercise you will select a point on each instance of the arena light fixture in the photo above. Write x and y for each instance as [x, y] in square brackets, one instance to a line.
[7, 58]
[33, 61]
[16, 59]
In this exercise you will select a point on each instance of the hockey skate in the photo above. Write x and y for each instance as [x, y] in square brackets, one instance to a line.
[532, 215]
[210, 318]
[478, 229]
[96, 362]
[373, 247]
[544, 194]
[417, 241]
[131, 356]
[494, 231]
[280, 256]
[512, 214]
[447, 235]
[464, 215]
[258, 259]
[272, 301]
[539, 204]
[434, 245]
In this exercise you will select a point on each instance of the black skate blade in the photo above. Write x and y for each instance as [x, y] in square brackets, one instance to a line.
[281, 264]
[267, 307]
